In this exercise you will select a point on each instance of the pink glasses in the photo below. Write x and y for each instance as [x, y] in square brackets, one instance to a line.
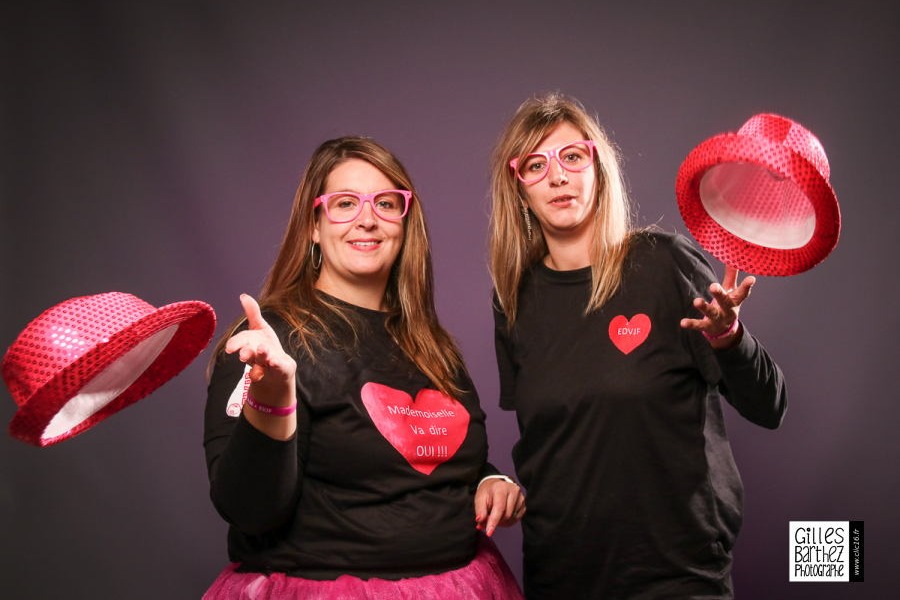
[343, 207]
[574, 157]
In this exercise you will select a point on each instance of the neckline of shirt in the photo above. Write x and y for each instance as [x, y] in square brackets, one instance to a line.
[579, 275]
[362, 310]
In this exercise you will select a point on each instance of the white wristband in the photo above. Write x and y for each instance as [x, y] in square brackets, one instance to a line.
[503, 477]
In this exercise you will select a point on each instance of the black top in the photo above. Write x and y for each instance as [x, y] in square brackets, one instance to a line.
[377, 482]
[632, 487]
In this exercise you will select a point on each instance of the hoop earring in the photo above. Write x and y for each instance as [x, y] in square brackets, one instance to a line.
[527, 222]
[316, 264]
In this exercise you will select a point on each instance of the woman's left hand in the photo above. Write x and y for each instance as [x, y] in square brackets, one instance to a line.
[721, 314]
[498, 502]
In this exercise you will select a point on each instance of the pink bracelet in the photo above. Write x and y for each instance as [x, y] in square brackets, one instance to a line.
[278, 411]
[726, 333]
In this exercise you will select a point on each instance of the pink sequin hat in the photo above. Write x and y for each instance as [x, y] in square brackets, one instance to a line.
[759, 199]
[86, 358]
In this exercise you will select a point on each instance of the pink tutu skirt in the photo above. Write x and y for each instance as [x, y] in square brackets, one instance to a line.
[487, 577]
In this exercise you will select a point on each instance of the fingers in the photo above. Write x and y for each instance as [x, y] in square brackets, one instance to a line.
[259, 346]
[743, 290]
[508, 508]
[254, 315]
[729, 292]
[251, 352]
[691, 324]
[497, 514]
[730, 278]
[720, 313]
[498, 504]
[258, 359]
[255, 322]
[483, 504]
[714, 313]
[729, 296]
[481, 508]
[516, 507]
[256, 373]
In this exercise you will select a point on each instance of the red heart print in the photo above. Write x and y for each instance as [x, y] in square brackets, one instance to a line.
[427, 431]
[629, 334]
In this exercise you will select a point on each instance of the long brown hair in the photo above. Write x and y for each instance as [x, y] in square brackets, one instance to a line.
[289, 289]
[513, 248]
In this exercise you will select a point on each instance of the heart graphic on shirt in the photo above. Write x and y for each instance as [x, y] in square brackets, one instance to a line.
[629, 334]
[426, 431]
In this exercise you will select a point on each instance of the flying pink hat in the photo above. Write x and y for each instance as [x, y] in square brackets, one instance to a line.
[86, 358]
[759, 199]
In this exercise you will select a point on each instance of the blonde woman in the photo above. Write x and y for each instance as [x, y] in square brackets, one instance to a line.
[345, 442]
[614, 347]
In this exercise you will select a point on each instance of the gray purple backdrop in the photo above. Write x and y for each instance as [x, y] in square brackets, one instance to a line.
[154, 148]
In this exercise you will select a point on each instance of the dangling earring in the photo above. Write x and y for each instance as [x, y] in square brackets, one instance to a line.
[312, 254]
[527, 221]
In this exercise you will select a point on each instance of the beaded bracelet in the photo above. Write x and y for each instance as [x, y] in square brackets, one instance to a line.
[278, 411]
[726, 333]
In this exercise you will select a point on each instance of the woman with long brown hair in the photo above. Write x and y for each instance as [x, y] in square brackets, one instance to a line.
[345, 442]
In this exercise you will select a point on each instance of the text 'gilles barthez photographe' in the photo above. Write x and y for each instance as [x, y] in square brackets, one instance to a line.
[826, 551]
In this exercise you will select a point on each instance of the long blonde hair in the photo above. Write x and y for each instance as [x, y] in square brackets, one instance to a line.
[516, 239]
[289, 289]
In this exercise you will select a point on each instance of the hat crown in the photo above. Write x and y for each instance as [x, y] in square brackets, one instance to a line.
[790, 134]
[62, 334]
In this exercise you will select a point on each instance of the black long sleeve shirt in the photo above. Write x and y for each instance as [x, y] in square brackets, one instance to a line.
[632, 487]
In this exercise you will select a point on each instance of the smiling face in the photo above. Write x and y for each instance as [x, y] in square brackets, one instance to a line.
[357, 256]
[563, 201]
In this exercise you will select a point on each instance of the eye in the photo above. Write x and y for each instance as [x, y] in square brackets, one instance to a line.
[574, 155]
[534, 163]
[344, 202]
[387, 202]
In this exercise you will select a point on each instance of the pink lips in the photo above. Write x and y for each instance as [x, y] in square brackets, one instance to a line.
[365, 245]
[562, 199]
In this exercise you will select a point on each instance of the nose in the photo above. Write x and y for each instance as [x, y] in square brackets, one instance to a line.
[558, 175]
[367, 218]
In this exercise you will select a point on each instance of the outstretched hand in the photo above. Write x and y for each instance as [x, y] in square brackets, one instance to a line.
[721, 314]
[272, 370]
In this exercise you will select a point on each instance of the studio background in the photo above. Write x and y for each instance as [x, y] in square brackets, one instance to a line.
[154, 148]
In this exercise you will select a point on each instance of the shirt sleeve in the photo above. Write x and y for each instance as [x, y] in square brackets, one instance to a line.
[752, 382]
[505, 365]
[464, 380]
[255, 480]
[745, 374]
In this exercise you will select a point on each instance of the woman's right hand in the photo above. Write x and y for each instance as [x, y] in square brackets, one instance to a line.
[719, 322]
[272, 371]
[498, 502]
